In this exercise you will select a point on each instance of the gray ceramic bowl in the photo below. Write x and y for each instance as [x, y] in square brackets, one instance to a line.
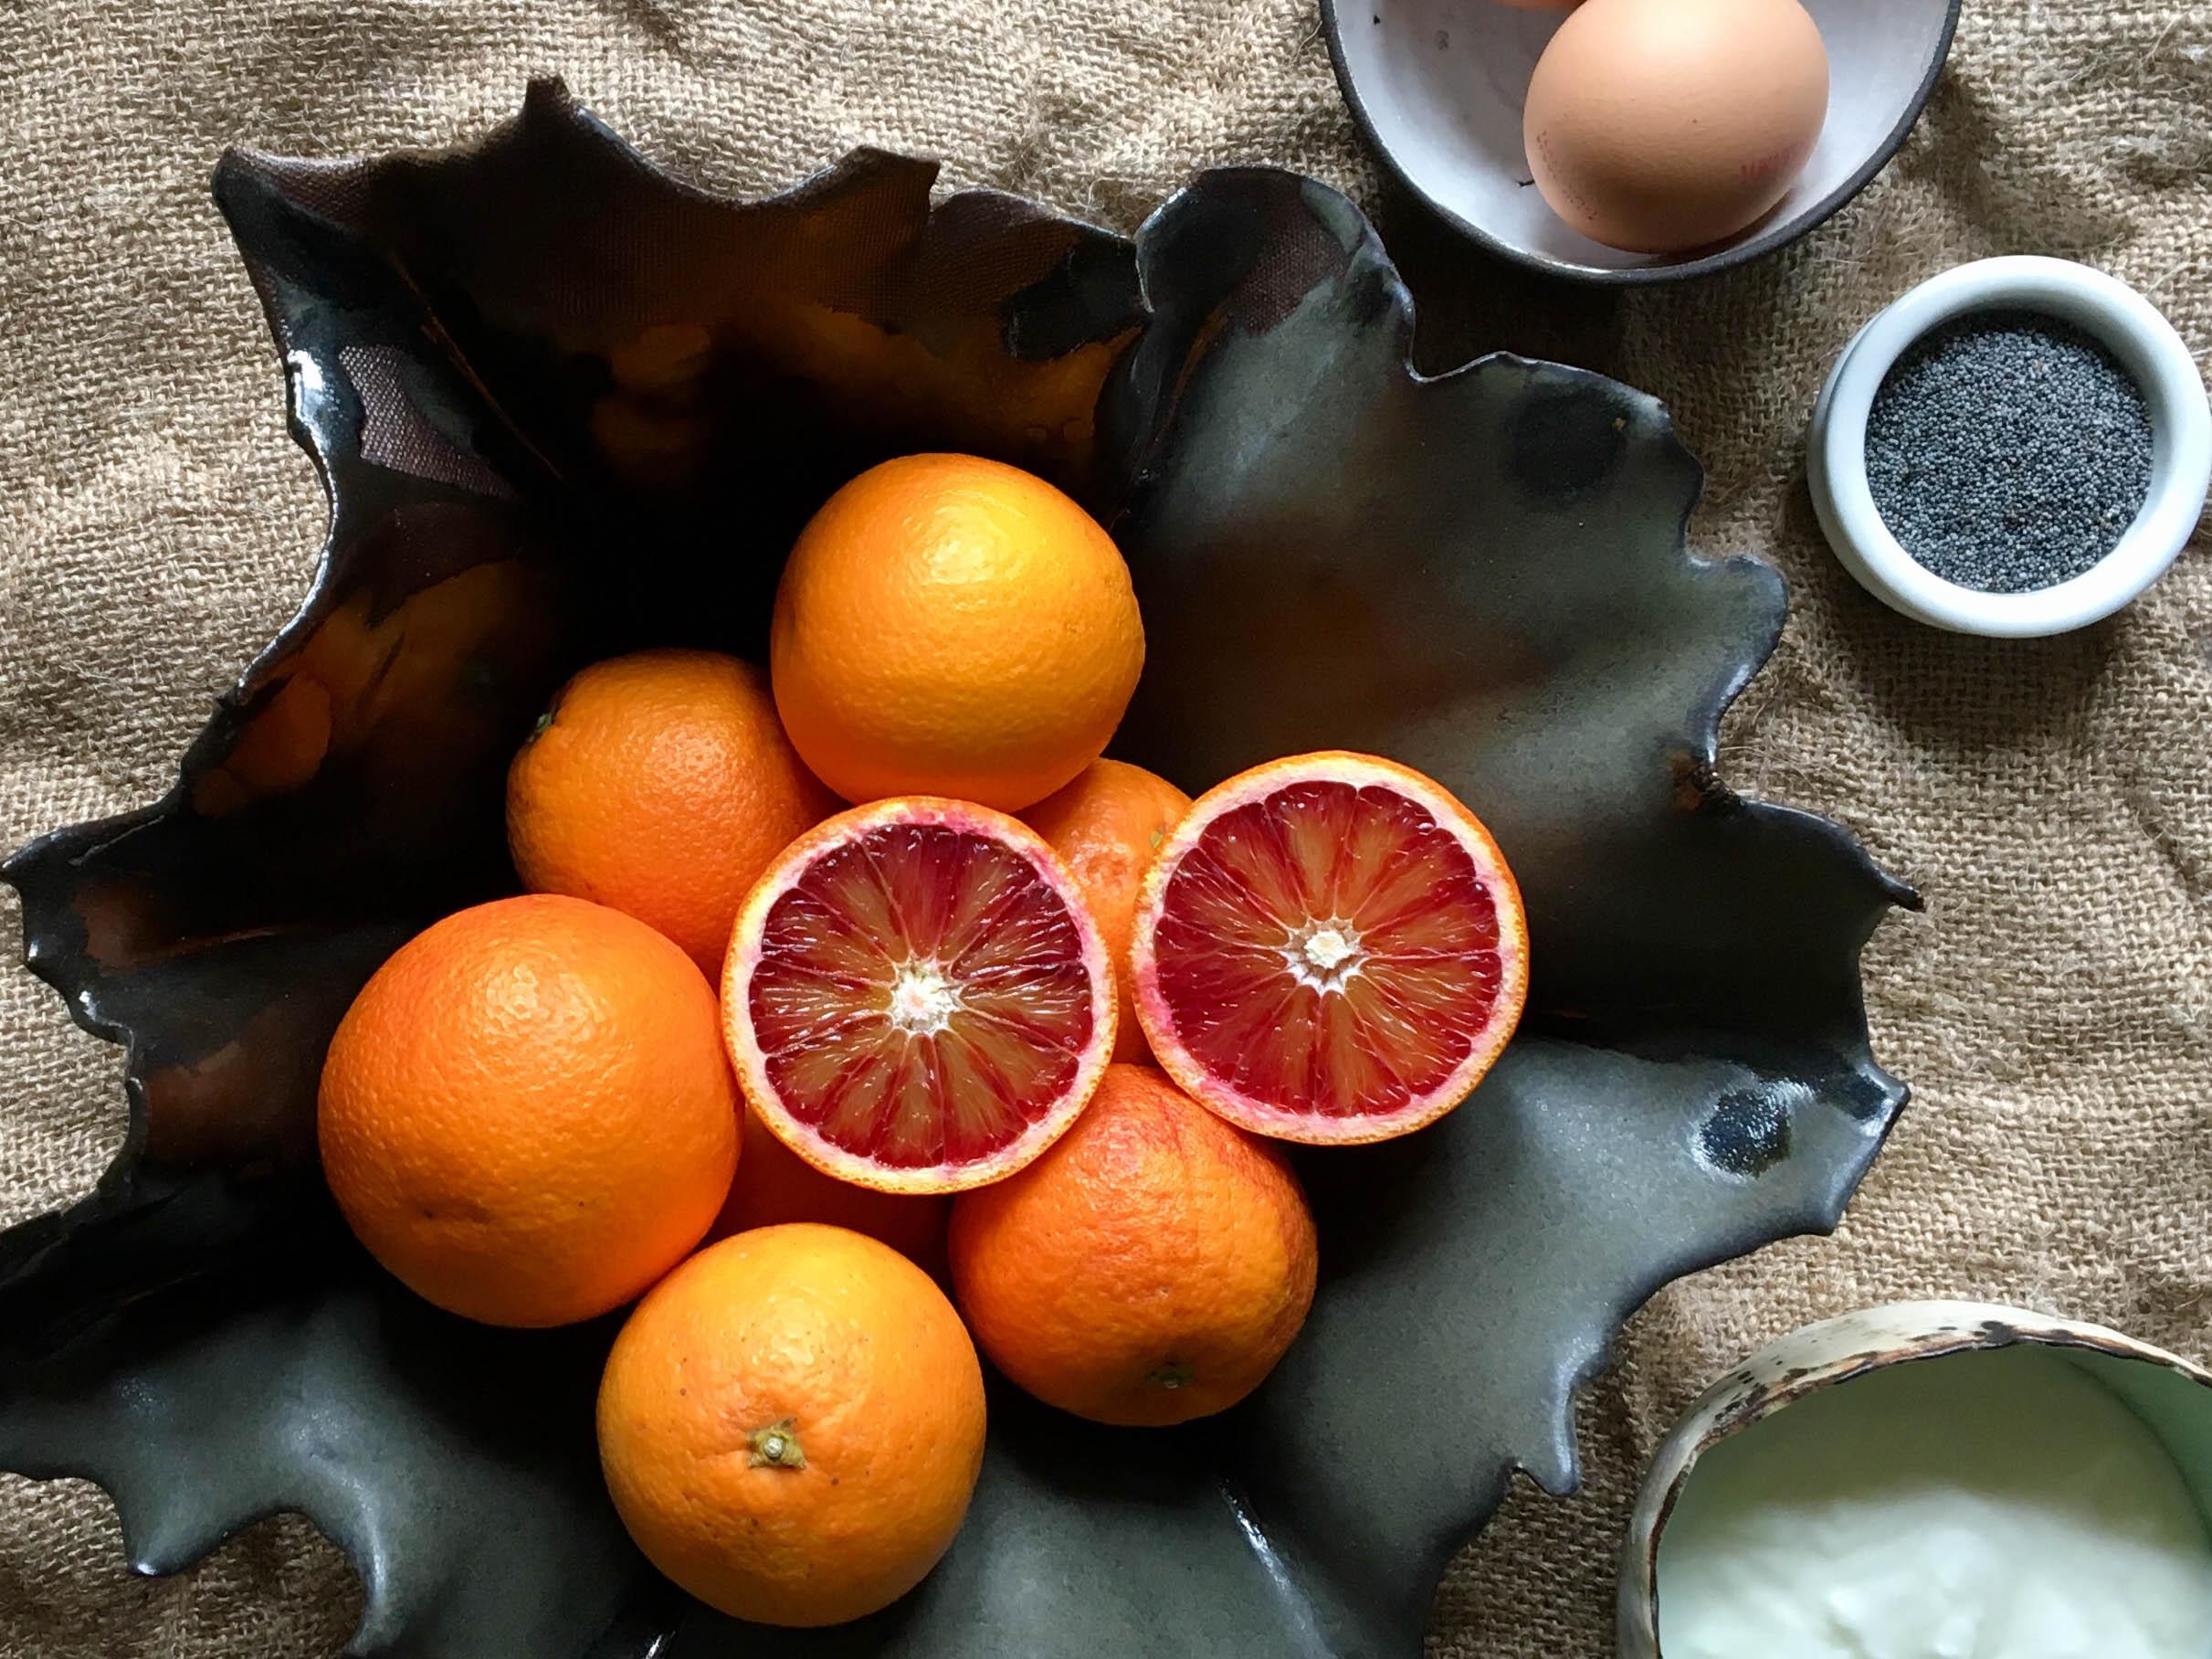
[1438, 86]
[567, 405]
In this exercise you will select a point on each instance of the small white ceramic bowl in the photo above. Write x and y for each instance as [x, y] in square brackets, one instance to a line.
[1438, 88]
[2169, 1395]
[2105, 309]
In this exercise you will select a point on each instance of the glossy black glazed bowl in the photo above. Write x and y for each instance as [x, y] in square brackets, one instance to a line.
[567, 406]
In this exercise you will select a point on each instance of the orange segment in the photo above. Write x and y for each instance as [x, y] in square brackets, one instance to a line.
[1330, 948]
[916, 999]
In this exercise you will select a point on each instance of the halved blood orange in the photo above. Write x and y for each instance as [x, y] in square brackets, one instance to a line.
[915, 998]
[1330, 948]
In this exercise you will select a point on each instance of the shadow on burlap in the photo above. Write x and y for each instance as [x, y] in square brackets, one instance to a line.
[2053, 798]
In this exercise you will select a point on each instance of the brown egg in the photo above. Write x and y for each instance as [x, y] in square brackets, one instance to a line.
[1663, 125]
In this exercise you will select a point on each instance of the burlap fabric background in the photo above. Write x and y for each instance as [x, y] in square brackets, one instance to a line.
[2054, 798]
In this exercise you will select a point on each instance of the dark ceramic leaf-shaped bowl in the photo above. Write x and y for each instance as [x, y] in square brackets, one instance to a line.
[567, 407]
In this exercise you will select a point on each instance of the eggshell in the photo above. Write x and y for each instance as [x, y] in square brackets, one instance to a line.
[1663, 125]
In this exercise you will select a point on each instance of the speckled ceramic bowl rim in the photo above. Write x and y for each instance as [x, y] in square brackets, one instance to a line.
[1770, 240]
[2103, 307]
[1819, 1354]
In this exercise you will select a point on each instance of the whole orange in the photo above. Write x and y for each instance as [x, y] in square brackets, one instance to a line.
[774, 1185]
[952, 625]
[1106, 826]
[792, 1425]
[661, 784]
[527, 1114]
[1151, 1268]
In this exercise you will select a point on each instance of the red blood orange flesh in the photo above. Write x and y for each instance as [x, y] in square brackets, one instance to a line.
[915, 998]
[1330, 949]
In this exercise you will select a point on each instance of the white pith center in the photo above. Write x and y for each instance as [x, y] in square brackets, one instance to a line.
[1328, 948]
[1325, 954]
[922, 998]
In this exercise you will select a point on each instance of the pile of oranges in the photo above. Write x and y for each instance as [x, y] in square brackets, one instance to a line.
[781, 1071]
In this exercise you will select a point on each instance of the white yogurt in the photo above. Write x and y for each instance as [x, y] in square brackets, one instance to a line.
[1998, 1504]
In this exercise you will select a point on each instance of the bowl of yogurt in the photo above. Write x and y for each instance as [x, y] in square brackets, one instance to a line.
[1931, 1480]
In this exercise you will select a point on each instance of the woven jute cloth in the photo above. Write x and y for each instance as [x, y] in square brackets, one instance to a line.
[2053, 798]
